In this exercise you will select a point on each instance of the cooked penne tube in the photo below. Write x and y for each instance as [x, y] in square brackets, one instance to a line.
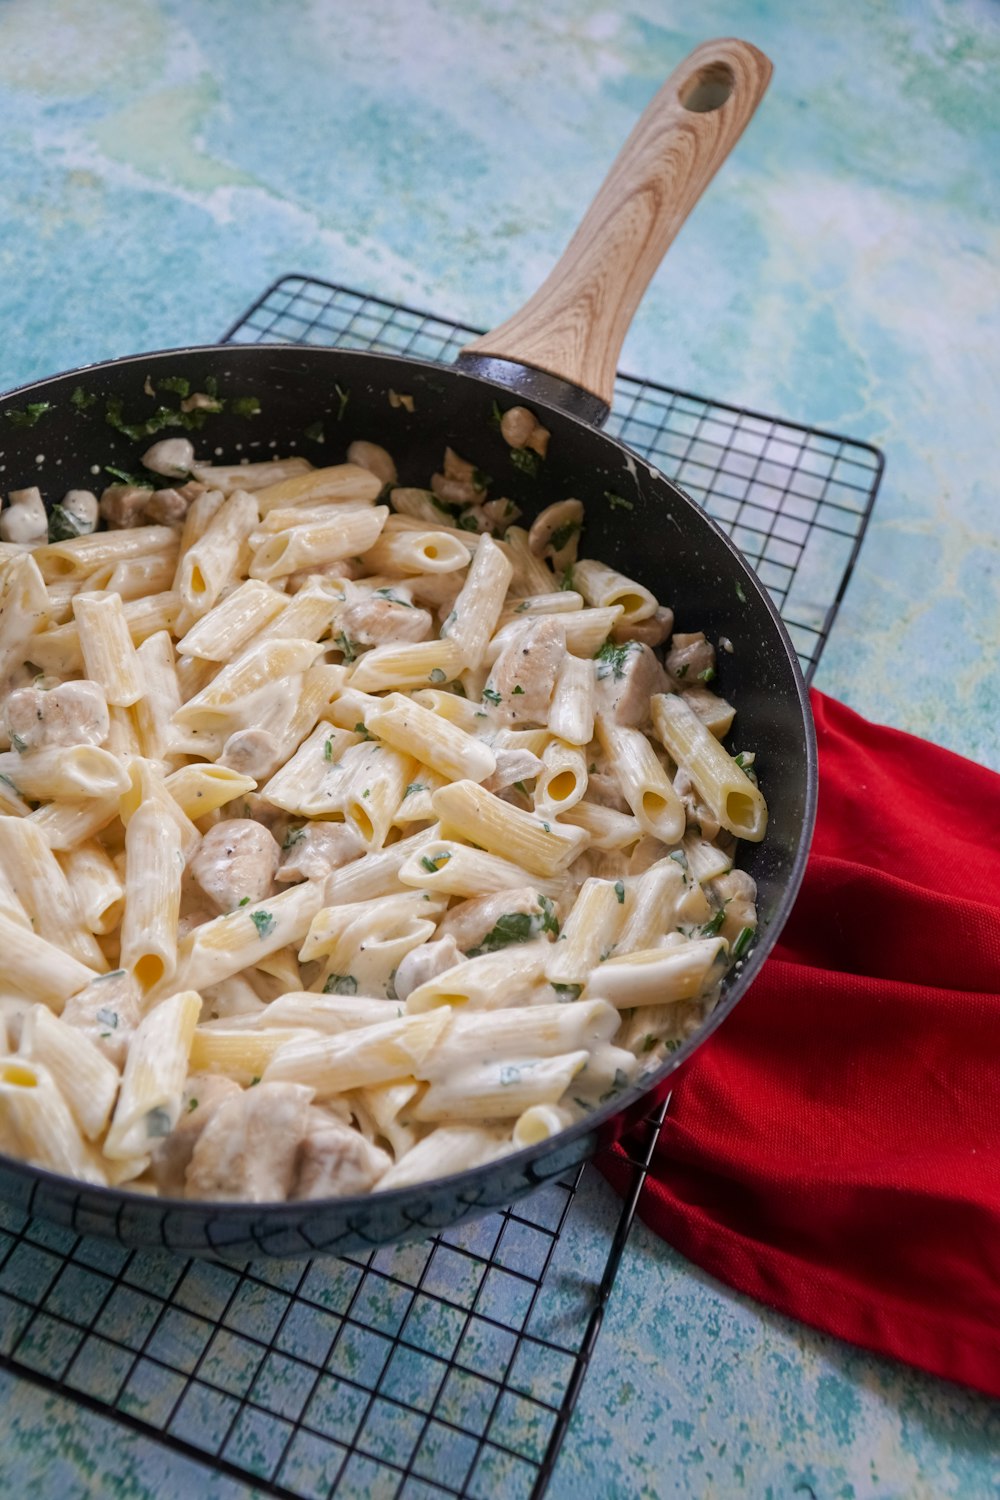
[656, 976]
[429, 739]
[562, 781]
[589, 933]
[454, 1148]
[161, 697]
[374, 874]
[59, 650]
[149, 1103]
[252, 477]
[96, 886]
[200, 789]
[406, 550]
[36, 1124]
[306, 617]
[542, 847]
[603, 586]
[563, 602]
[386, 1105]
[145, 787]
[210, 563]
[714, 712]
[475, 613]
[108, 652]
[82, 555]
[532, 575]
[340, 482]
[154, 864]
[645, 785]
[369, 789]
[413, 665]
[500, 1090]
[262, 666]
[303, 515]
[137, 578]
[539, 1123]
[571, 712]
[241, 938]
[341, 929]
[347, 534]
[508, 977]
[606, 828]
[223, 631]
[584, 631]
[724, 787]
[38, 968]
[420, 505]
[521, 1031]
[44, 892]
[452, 869]
[83, 1075]
[25, 609]
[72, 773]
[358, 1059]
[309, 783]
[66, 824]
[327, 1013]
[705, 861]
[651, 901]
[123, 734]
[238, 1052]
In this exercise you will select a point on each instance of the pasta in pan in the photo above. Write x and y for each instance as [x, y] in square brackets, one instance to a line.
[350, 834]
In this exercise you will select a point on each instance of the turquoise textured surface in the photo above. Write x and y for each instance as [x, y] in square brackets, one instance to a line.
[164, 160]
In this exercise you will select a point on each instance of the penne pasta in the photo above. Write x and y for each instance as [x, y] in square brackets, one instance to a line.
[735, 801]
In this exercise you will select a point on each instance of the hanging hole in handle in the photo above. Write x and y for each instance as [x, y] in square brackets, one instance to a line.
[708, 89]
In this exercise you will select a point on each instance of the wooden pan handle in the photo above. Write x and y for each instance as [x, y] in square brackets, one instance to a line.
[575, 324]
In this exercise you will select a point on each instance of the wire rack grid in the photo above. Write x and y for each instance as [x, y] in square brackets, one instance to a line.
[450, 1367]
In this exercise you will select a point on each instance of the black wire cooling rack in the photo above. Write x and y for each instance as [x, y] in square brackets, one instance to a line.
[450, 1367]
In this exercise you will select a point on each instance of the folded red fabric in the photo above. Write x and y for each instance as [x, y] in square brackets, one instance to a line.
[834, 1149]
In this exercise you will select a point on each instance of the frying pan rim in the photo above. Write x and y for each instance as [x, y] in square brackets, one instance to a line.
[625, 1107]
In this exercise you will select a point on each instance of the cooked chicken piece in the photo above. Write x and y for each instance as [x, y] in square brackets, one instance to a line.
[424, 963]
[107, 1011]
[335, 1161]
[736, 892]
[171, 1157]
[313, 851]
[456, 491]
[691, 659]
[236, 861]
[501, 513]
[75, 713]
[555, 532]
[249, 1148]
[375, 459]
[123, 505]
[698, 815]
[81, 506]
[24, 521]
[524, 673]
[714, 712]
[627, 677]
[652, 632]
[470, 921]
[377, 619]
[512, 766]
[171, 456]
[253, 805]
[230, 997]
[455, 467]
[251, 752]
[603, 787]
[166, 508]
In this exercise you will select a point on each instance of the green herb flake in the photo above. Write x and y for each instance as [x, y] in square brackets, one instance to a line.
[343, 396]
[611, 659]
[81, 400]
[111, 974]
[390, 989]
[108, 1017]
[244, 901]
[490, 695]
[712, 927]
[620, 892]
[468, 522]
[741, 596]
[518, 691]
[292, 837]
[344, 644]
[547, 827]
[742, 943]
[314, 432]
[563, 534]
[618, 502]
[550, 922]
[682, 672]
[254, 1081]
[28, 415]
[264, 923]
[366, 792]
[526, 460]
[566, 581]
[520, 787]
[432, 865]
[414, 786]
[359, 728]
[245, 406]
[192, 1106]
[679, 857]
[458, 688]
[509, 1074]
[157, 1124]
[513, 927]
[328, 750]
[393, 598]
[619, 1082]
[442, 506]
[567, 992]
[707, 676]
[178, 384]
[18, 744]
[137, 481]
[341, 984]
[437, 675]
[648, 1042]
[495, 416]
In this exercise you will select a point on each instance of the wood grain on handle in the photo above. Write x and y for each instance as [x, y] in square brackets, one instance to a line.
[574, 325]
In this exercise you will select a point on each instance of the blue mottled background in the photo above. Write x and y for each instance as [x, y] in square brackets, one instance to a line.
[163, 160]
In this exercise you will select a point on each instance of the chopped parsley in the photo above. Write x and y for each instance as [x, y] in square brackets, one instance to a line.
[480, 480]
[495, 416]
[343, 643]
[28, 415]
[157, 1124]
[81, 400]
[390, 988]
[679, 857]
[526, 460]
[18, 744]
[563, 534]
[343, 396]
[707, 676]
[433, 864]
[712, 927]
[521, 608]
[620, 892]
[393, 598]
[436, 675]
[359, 728]
[264, 923]
[254, 1081]
[518, 691]
[648, 1042]
[314, 432]
[138, 481]
[192, 1106]
[618, 502]
[490, 695]
[442, 505]
[458, 688]
[244, 901]
[468, 522]
[108, 1017]
[611, 659]
[512, 927]
[547, 827]
[682, 672]
[742, 943]
[520, 787]
[367, 792]
[341, 984]
[567, 579]
[550, 922]
[328, 750]
[619, 1082]
[741, 596]
[179, 384]
[414, 786]
[245, 406]
[566, 992]
[292, 837]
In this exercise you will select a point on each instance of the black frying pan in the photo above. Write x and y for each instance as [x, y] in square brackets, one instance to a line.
[559, 356]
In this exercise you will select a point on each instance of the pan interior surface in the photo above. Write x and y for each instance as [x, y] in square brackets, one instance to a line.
[286, 400]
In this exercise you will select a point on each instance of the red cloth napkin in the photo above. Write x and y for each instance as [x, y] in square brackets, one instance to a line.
[834, 1149]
